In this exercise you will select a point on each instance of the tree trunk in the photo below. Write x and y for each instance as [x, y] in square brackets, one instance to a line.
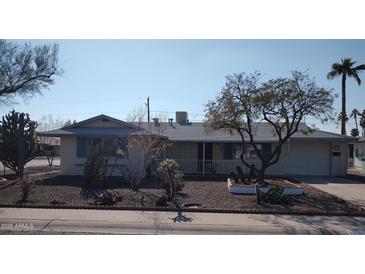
[261, 176]
[260, 183]
[172, 184]
[343, 111]
[21, 150]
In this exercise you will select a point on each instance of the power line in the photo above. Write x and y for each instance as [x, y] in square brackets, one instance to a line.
[116, 99]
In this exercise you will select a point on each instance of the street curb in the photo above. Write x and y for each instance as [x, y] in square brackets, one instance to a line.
[197, 210]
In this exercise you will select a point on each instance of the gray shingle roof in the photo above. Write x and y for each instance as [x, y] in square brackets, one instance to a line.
[194, 132]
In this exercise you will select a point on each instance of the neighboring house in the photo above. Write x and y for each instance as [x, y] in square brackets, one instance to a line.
[200, 152]
[359, 153]
[49, 146]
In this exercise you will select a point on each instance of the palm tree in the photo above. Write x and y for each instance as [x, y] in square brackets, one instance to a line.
[362, 122]
[354, 114]
[345, 69]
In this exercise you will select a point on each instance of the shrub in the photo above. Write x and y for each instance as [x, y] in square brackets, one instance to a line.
[275, 195]
[107, 198]
[17, 141]
[27, 187]
[162, 200]
[171, 177]
[56, 202]
[95, 165]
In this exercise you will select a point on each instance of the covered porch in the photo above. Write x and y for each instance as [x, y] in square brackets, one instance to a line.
[220, 158]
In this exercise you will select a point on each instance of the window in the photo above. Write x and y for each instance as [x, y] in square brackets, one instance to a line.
[95, 141]
[110, 146]
[228, 151]
[237, 150]
[252, 152]
[81, 147]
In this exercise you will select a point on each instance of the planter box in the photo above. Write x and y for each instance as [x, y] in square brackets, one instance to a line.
[251, 189]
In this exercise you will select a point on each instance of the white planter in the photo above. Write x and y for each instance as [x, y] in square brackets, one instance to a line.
[251, 190]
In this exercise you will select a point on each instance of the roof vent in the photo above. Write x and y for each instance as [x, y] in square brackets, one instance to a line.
[182, 118]
[156, 121]
[105, 120]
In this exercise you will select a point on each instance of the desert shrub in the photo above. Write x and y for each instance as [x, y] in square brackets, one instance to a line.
[27, 186]
[107, 198]
[95, 166]
[56, 202]
[17, 141]
[162, 200]
[171, 177]
[275, 195]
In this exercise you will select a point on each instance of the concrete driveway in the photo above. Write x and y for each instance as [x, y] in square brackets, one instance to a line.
[347, 189]
[36, 162]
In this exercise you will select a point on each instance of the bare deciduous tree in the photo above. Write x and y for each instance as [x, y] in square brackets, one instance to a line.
[26, 70]
[144, 147]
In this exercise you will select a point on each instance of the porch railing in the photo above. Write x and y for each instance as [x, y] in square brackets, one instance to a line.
[193, 166]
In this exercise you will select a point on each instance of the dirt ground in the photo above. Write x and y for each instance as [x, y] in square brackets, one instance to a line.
[67, 190]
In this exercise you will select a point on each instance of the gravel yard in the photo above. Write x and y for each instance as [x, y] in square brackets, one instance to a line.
[66, 190]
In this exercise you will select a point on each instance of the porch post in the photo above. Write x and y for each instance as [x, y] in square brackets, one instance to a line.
[203, 158]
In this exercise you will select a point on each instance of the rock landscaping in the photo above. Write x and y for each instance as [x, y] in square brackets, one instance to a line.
[212, 196]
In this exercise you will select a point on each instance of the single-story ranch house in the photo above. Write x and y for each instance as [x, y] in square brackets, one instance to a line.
[197, 151]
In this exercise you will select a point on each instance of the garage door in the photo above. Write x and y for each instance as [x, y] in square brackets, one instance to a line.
[309, 159]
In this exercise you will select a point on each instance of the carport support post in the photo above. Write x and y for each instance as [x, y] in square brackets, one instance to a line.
[203, 158]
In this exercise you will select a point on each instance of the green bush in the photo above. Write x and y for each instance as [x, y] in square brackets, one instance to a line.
[17, 141]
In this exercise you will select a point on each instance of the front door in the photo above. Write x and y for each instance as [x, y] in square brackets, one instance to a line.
[208, 156]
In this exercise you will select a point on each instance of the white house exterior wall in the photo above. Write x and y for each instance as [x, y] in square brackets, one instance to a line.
[182, 151]
[359, 154]
[298, 158]
[71, 165]
[68, 156]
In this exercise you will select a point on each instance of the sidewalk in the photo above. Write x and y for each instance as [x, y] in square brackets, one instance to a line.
[70, 221]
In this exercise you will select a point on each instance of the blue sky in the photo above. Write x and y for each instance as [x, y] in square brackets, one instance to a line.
[115, 76]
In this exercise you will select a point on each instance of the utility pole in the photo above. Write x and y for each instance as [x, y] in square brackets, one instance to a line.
[148, 109]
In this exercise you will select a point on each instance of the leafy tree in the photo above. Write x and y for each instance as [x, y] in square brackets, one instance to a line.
[345, 69]
[281, 104]
[17, 141]
[354, 132]
[26, 70]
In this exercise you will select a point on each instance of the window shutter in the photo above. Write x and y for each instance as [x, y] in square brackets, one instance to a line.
[81, 147]
[228, 151]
